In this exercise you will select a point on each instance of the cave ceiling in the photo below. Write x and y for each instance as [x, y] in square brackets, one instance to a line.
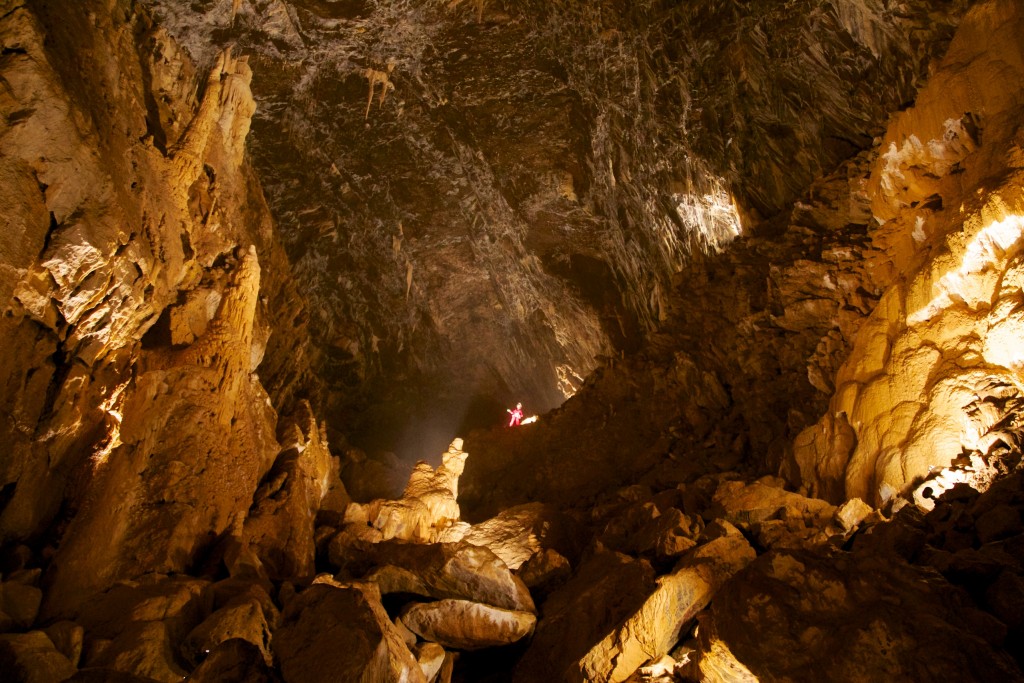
[481, 197]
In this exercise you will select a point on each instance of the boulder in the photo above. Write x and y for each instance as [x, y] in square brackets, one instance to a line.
[234, 661]
[666, 536]
[850, 514]
[544, 571]
[742, 503]
[1005, 599]
[465, 625]
[181, 602]
[138, 627]
[68, 637]
[999, 522]
[341, 634]
[606, 590]
[624, 523]
[442, 570]
[444, 675]
[430, 657]
[143, 648]
[351, 540]
[242, 619]
[846, 617]
[408, 637]
[279, 527]
[32, 658]
[19, 605]
[652, 630]
[661, 670]
[228, 592]
[518, 533]
[793, 532]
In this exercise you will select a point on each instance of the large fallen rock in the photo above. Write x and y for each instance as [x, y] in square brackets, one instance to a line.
[742, 503]
[441, 570]
[142, 648]
[846, 617]
[138, 627]
[465, 625]
[68, 637]
[606, 590]
[182, 602]
[518, 533]
[431, 657]
[544, 571]
[652, 631]
[234, 661]
[243, 619]
[32, 658]
[333, 633]
[19, 604]
[643, 528]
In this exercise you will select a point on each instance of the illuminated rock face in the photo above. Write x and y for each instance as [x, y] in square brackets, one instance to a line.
[189, 458]
[139, 303]
[467, 625]
[936, 369]
[655, 628]
[829, 344]
[439, 570]
[302, 484]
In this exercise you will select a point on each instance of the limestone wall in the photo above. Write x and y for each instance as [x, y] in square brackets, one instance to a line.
[936, 369]
[136, 428]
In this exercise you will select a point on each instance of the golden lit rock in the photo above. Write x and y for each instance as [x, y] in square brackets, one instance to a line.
[467, 625]
[428, 505]
[519, 533]
[32, 657]
[650, 633]
[941, 340]
[459, 570]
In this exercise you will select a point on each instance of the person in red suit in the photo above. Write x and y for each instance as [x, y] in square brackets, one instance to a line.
[517, 415]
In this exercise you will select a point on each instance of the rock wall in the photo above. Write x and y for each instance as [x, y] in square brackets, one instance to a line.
[936, 369]
[857, 339]
[135, 316]
[504, 190]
